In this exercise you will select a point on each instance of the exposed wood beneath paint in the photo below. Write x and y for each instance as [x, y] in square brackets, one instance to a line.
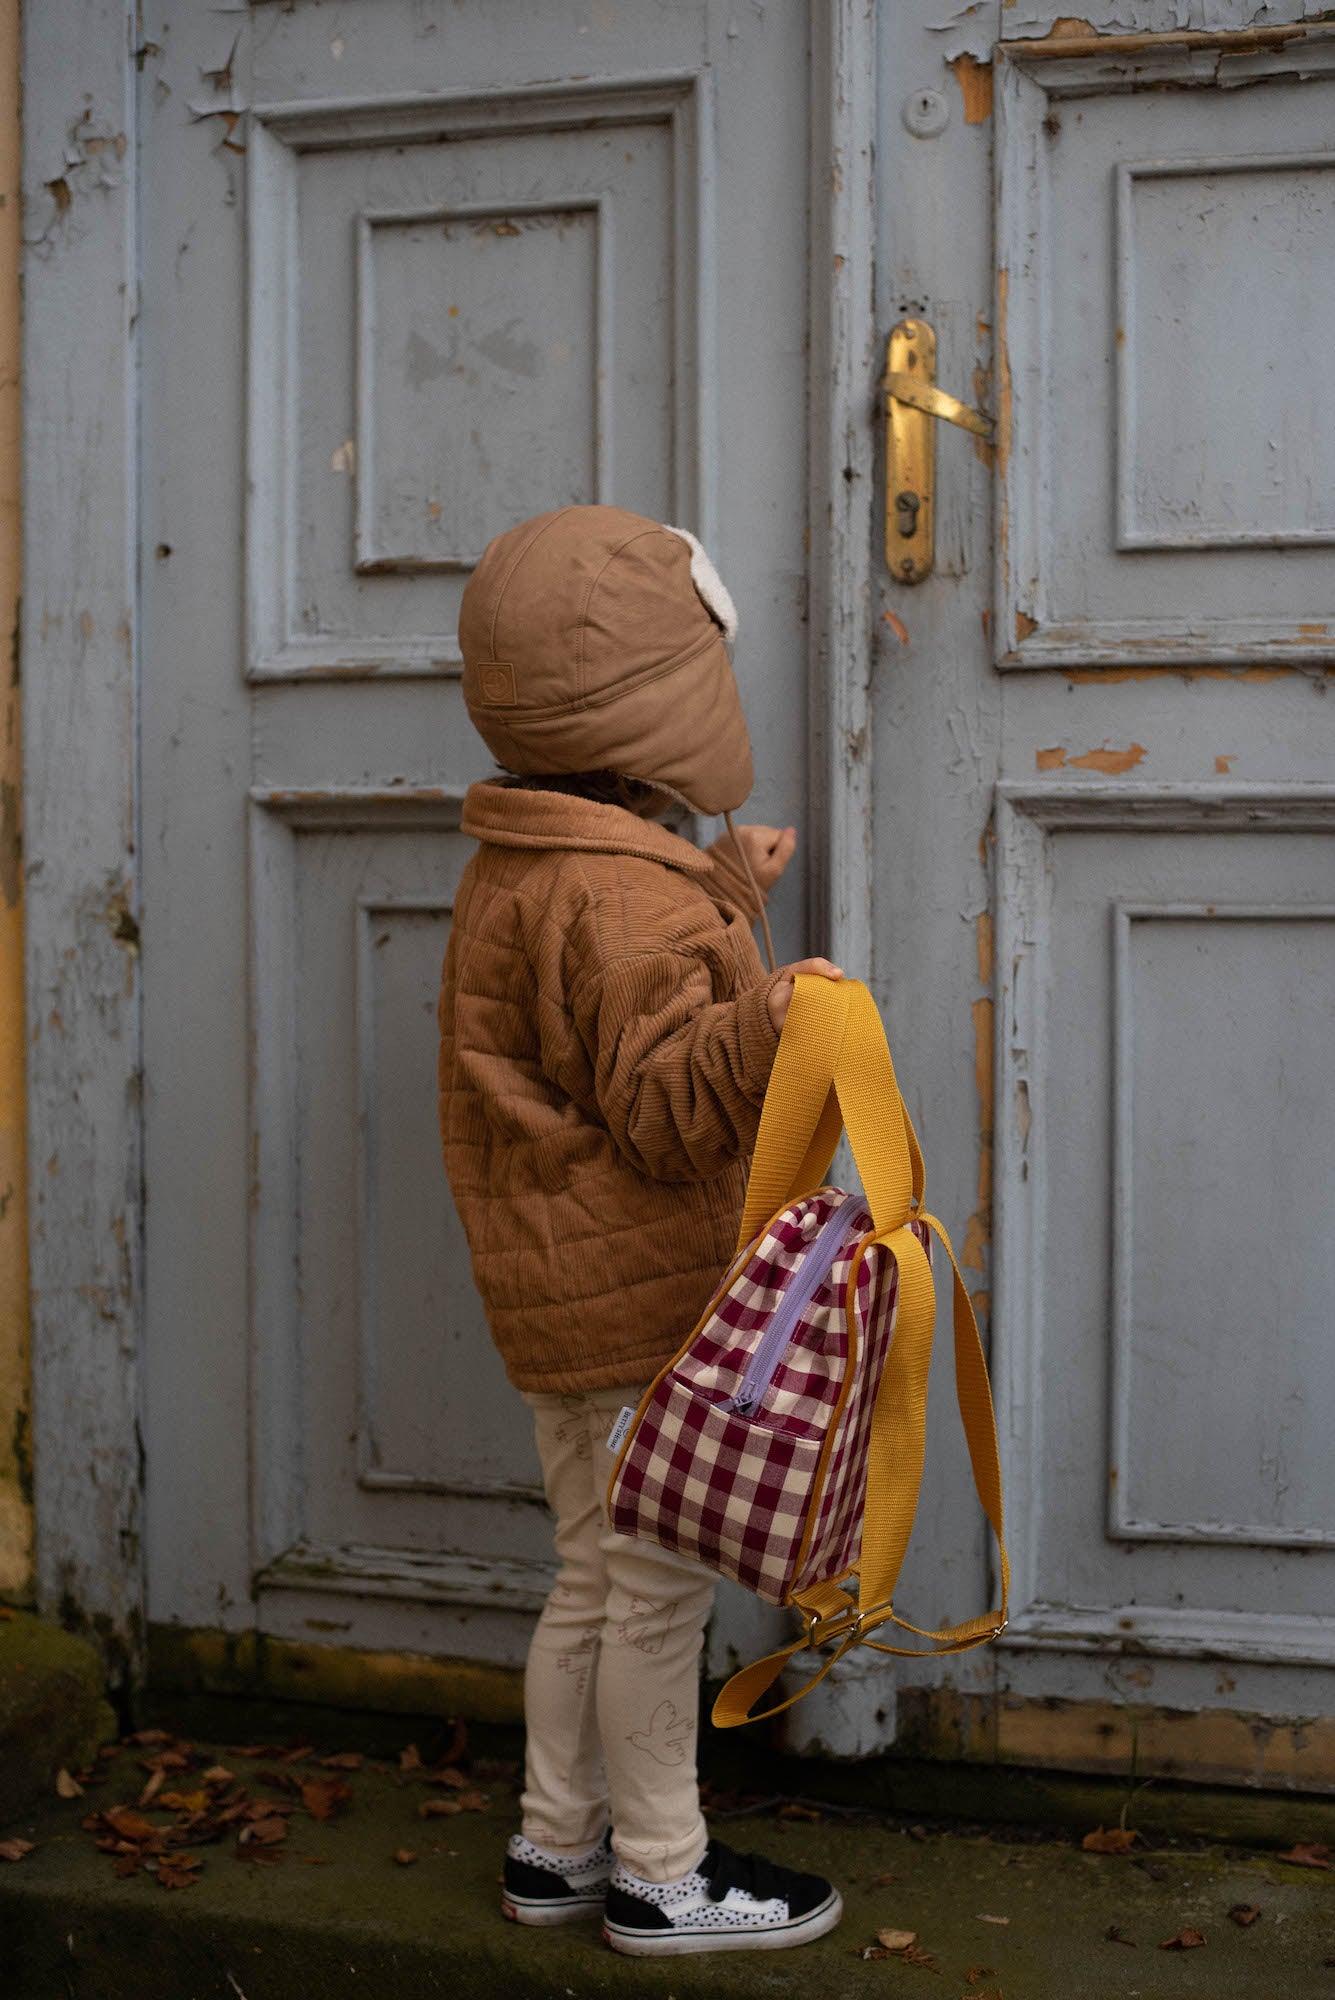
[1229, 41]
[1131, 1740]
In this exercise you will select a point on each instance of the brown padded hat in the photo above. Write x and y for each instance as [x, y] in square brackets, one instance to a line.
[587, 647]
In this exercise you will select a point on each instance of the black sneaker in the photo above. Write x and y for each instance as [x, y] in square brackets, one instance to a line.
[731, 1902]
[542, 1888]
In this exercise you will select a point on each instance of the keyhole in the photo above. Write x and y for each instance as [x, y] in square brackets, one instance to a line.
[906, 513]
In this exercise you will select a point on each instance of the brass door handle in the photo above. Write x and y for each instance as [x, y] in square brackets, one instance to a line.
[912, 403]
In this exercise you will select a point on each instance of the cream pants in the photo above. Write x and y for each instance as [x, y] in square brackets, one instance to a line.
[612, 1687]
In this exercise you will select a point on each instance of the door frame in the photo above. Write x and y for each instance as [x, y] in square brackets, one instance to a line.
[79, 661]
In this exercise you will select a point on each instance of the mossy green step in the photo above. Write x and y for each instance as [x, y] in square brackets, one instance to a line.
[53, 1708]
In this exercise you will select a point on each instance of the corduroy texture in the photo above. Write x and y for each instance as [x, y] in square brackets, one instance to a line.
[605, 1046]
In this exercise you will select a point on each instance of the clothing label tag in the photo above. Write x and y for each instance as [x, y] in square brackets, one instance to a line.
[625, 1418]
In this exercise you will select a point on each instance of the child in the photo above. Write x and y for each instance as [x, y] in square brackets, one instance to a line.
[607, 1032]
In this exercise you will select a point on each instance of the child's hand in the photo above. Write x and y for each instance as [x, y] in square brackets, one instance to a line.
[781, 992]
[769, 849]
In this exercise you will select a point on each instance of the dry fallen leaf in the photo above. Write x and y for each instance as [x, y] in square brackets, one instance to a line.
[895, 1940]
[152, 1788]
[1187, 1939]
[451, 1776]
[913, 1954]
[129, 1825]
[263, 1832]
[218, 1774]
[1115, 1935]
[149, 1736]
[984, 1919]
[438, 1808]
[796, 1809]
[68, 1787]
[883, 1880]
[343, 1760]
[1110, 1840]
[177, 1871]
[977, 1972]
[15, 1849]
[191, 1802]
[1244, 1914]
[1308, 1854]
[404, 1856]
[323, 1797]
[410, 1759]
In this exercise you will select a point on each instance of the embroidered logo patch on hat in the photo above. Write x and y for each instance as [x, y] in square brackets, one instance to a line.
[496, 683]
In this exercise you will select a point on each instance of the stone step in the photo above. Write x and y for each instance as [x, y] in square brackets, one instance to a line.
[338, 1916]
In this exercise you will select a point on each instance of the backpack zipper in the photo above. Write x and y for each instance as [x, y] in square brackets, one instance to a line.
[817, 1264]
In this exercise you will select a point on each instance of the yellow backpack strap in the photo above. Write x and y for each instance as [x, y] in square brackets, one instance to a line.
[799, 1124]
[888, 1157]
[898, 1443]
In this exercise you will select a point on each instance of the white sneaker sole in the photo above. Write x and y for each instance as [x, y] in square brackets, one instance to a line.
[775, 1937]
[544, 1914]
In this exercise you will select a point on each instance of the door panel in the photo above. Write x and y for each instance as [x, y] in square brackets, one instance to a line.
[1161, 299]
[1178, 1019]
[410, 274]
[1104, 884]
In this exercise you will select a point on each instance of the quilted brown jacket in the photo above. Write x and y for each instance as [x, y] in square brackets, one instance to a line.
[605, 1043]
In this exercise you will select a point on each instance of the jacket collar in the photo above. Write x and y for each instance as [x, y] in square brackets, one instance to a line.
[508, 815]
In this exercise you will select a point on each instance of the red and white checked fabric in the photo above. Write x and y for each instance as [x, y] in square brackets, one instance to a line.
[774, 1497]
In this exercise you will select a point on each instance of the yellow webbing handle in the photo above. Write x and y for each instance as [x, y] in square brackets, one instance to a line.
[799, 1120]
[886, 1150]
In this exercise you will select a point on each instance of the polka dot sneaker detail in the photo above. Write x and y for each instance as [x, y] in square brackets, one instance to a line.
[730, 1902]
[543, 1889]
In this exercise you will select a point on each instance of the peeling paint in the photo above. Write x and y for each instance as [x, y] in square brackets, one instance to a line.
[1110, 676]
[1112, 763]
[1223, 765]
[1025, 627]
[1002, 439]
[897, 626]
[975, 81]
[978, 1229]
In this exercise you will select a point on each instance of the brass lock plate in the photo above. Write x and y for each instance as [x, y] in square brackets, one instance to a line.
[912, 405]
[910, 455]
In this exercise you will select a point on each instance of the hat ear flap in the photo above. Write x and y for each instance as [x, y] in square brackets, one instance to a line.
[708, 583]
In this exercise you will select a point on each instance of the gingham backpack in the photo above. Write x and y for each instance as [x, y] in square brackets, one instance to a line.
[783, 1445]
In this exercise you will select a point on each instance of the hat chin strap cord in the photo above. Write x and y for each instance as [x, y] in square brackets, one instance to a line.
[755, 891]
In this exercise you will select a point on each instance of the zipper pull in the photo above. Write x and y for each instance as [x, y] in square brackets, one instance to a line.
[744, 1400]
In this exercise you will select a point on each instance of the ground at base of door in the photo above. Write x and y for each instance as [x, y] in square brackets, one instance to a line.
[344, 1911]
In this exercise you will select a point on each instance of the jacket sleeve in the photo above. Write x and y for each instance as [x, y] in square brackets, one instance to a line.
[679, 1078]
[730, 878]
